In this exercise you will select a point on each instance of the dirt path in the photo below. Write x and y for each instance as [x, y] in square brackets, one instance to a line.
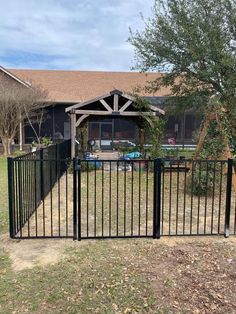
[29, 253]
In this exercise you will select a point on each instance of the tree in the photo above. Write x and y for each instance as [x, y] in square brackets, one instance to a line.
[153, 126]
[35, 120]
[193, 43]
[17, 103]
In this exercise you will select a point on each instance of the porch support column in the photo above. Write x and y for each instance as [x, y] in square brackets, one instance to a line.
[85, 136]
[141, 139]
[183, 129]
[72, 131]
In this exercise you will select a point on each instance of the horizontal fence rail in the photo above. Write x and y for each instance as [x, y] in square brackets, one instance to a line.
[51, 195]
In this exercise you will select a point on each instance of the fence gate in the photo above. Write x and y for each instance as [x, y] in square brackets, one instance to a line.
[114, 199]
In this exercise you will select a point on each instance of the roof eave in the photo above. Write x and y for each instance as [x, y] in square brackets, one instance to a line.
[15, 77]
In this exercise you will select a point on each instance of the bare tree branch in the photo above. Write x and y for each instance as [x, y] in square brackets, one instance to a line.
[17, 103]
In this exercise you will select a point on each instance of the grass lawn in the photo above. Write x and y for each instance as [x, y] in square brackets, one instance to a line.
[184, 275]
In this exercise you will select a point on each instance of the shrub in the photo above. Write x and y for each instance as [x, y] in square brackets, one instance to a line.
[88, 166]
[202, 180]
[18, 153]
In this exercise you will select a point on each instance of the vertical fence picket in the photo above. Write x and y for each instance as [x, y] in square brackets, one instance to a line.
[10, 165]
[159, 177]
[74, 199]
[78, 169]
[228, 197]
[157, 199]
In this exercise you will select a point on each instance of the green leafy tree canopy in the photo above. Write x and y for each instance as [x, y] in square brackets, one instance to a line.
[193, 43]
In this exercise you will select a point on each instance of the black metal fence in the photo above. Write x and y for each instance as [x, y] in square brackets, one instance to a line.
[196, 197]
[87, 199]
[145, 198]
[31, 178]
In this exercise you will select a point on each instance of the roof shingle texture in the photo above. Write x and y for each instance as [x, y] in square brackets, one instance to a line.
[77, 86]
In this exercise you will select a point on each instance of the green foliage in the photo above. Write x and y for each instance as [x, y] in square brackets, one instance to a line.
[70, 167]
[191, 42]
[81, 136]
[90, 166]
[18, 153]
[46, 141]
[156, 136]
[213, 146]
[218, 134]
[154, 126]
[200, 184]
[203, 179]
[173, 153]
[192, 39]
[176, 153]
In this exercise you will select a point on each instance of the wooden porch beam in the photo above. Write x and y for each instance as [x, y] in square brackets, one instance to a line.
[115, 113]
[79, 105]
[126, 105]
[156, 109]
[105, 104]
[81, 119]
[116, 101]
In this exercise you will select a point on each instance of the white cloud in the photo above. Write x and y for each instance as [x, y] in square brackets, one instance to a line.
[69, 34]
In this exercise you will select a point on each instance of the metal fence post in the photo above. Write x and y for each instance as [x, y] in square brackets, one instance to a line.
[79, 198]
[10, 165]
[228, 197]
[74, 199]
[157, 199]
[41, 175]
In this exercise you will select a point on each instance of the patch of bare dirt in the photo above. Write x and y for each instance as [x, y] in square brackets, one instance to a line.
[29, 253]
[196, 276]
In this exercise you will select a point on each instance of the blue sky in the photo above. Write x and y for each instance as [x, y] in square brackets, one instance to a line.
[69, 34]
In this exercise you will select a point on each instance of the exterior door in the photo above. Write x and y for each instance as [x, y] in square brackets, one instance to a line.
[106, 135]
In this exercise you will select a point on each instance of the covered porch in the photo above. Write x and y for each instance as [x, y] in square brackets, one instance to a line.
[111, 118]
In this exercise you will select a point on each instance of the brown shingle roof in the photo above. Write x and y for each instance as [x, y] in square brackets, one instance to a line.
[77, 86]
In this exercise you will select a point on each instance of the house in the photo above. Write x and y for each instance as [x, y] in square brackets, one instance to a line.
[102, 104]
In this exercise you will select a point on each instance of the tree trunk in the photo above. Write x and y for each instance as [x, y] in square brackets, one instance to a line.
[9, 146]
[21, 131]
[6, 142]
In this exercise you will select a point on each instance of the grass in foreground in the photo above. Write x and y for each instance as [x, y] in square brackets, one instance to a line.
[142, 276]
[94, 278]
